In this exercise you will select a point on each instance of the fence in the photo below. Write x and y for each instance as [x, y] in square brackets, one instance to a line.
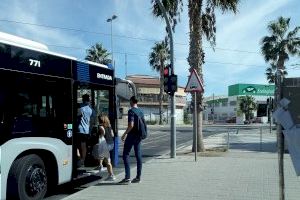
[244, 139]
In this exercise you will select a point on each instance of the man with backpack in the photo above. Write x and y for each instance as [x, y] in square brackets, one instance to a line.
[133, 136]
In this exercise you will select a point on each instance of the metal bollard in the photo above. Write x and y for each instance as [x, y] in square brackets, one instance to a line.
[260, 138]
[237, 131]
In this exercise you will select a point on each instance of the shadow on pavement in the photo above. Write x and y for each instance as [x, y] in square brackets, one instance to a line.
[264, 147]
[109, 184]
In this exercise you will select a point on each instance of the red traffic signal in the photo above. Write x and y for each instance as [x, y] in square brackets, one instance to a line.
[166, 71]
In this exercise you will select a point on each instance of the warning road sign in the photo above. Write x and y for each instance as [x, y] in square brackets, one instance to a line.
[194, 84]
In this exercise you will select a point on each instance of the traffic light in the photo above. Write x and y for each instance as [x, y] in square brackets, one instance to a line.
[170, 81]
[166, 78]
[172, 84]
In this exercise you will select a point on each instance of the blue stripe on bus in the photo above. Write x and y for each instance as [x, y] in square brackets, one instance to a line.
[83, 72]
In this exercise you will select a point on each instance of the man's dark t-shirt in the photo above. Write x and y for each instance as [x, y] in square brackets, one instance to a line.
[132, 117]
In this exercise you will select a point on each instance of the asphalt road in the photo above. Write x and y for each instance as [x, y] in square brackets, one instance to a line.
[157, 143]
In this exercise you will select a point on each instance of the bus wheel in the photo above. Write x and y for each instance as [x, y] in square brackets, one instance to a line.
[28, 178]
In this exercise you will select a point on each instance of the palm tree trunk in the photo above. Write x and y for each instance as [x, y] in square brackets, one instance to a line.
[280, 136]
[161, 92]
[195, 59]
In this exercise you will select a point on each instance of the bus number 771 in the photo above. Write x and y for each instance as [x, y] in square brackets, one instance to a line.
[34, 63]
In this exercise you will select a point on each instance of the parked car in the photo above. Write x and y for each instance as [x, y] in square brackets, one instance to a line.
[231, 120]
[249, 121]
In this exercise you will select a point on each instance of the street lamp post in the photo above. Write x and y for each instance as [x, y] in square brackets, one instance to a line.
[116, 143]
[111, 37]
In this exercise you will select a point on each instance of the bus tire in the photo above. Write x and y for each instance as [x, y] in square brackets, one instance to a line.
[27, 179]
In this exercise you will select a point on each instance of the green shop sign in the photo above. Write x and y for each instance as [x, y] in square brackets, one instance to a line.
[251, 89]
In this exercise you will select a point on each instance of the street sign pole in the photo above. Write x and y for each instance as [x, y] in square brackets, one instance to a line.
[195, 125]
[195, 85]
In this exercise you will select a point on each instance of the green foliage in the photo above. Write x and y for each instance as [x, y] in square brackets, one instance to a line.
[209, 18]
[160, 56]
[277, 47]
[158, 59]
[173, 9]
[247, 105]
[98, 54]
[270, 73]
[202, 22]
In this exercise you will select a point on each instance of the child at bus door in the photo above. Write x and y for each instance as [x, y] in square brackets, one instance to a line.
[101, 150]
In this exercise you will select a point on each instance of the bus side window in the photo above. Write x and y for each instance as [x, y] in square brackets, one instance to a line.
[23, 115]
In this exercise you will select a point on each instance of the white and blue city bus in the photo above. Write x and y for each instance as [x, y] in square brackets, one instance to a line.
[39, 96]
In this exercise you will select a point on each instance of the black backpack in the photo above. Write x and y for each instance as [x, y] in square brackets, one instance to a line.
[141, 127]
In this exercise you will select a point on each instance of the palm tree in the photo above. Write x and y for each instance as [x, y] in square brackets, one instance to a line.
[277, 47]
[270, 73]
[247, 106]
[202, 22]
[98, 54]
[158, 59]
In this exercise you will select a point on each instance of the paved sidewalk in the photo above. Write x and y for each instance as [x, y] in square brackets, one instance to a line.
[233, 175]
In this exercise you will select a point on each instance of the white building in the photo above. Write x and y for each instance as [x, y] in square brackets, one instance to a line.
[224, 108]
[148, 88]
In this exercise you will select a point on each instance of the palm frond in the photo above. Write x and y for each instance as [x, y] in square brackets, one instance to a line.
[160, 55]
[293, 33]
[97, 53]
[225, 5]
[209, 25]
[269, 51]
[279, 27]
[173, 9]
[293, 46]
[270, 75]
[271, 72]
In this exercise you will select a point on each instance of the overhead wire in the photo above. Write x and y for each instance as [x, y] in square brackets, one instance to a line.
[134, 38]
[120, 36]
[144, 55]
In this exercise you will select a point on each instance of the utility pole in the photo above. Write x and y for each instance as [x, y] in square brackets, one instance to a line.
[172, 96]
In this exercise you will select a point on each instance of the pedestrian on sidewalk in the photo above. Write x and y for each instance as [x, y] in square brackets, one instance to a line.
[104, 146]
[131, 137]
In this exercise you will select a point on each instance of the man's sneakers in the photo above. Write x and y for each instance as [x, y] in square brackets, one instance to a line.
[136, 180]
[111, 178]
[125, 181]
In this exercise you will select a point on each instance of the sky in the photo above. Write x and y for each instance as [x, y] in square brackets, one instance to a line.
[70, 27]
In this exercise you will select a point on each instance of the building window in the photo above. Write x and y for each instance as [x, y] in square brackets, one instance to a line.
[224, 104]
[232, 103]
